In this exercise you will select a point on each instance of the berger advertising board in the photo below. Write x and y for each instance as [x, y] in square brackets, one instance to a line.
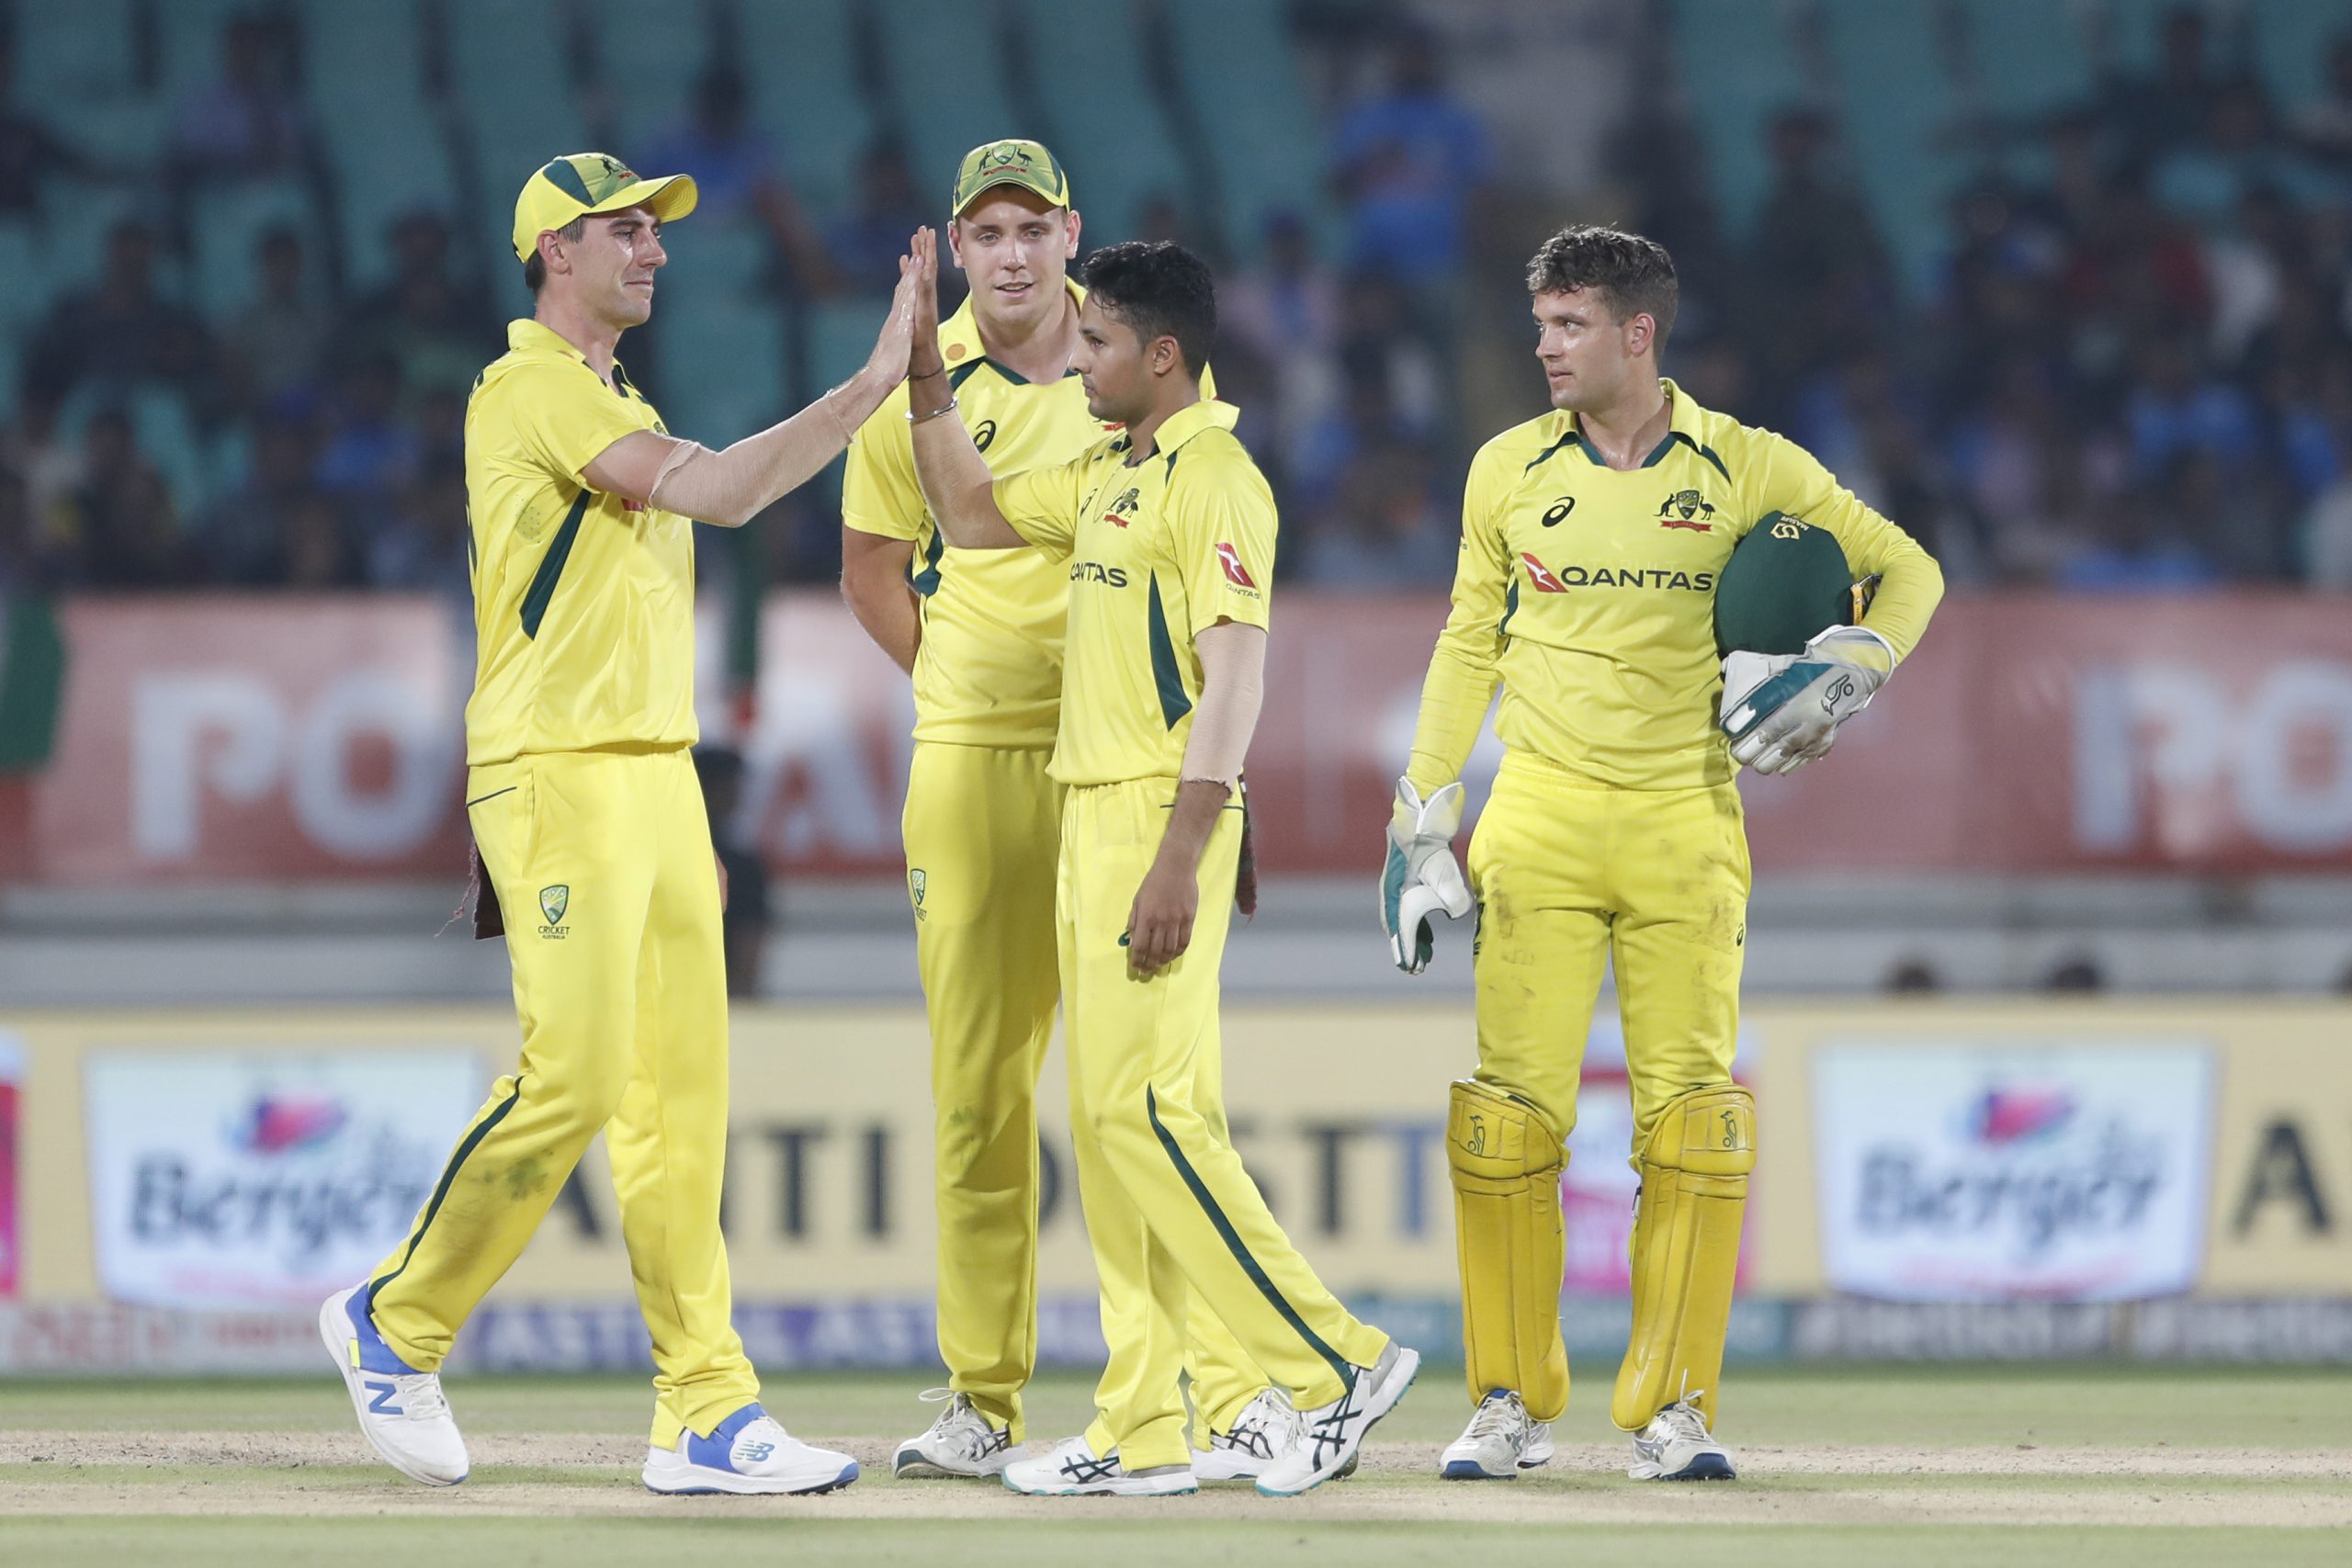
[236, 1180]
[1984, 1171]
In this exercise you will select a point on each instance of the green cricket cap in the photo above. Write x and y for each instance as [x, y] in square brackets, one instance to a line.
[1023, 163]
[578, 184]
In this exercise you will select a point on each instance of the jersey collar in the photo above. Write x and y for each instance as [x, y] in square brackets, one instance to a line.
[525, 336]
[1190, 421]
[959, 343]
[1683, 417]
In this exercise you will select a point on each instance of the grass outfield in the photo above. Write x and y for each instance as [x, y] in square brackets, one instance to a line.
[1848, 1466]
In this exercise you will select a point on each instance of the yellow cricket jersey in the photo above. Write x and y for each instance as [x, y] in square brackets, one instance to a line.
[583, 603]
[988, 671]
[1154, 552]
[1589, 593]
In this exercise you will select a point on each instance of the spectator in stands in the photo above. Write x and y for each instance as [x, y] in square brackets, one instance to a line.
[2150, 116]
[33, 558]
[126, 533]
[275, 345]
[2147, 541]
[1822, 278]
[424, 549]
[438, 325]
[744, 923]
[740, 173]
[1365, 480]
[1278, 321]
[248, 122]
[865, 242]
[1408, 164]
[242, 539]
[318, 548]
[2325, 128]
[122, 331]
[35, 450]
[371, 453]
[31, 153]
[2204, 179]
[2177, 407]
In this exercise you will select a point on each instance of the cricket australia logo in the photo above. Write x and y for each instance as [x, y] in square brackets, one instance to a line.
[1126, 503]
[917, 884]
[1686, 509]
[554, 899]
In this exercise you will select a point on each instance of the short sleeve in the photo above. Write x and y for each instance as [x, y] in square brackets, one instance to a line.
[879, 491]
[565, 417]
[1041, 503]
[1221, 524]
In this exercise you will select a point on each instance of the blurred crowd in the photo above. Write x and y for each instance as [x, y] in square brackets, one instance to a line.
[2132, 370]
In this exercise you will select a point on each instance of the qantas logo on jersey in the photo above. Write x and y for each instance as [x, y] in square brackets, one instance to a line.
[1686, 509]
[1095, 571]
[1235, 573]
[1541, 575]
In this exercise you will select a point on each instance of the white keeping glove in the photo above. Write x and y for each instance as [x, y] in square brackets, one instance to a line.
[1782, 710]
[1422, 876]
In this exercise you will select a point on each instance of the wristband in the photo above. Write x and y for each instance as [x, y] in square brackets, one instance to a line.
[914, 418]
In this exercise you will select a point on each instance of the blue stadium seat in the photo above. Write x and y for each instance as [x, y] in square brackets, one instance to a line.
[228, 225]
[71, 55]
[729, 259]
[1240, 76]
[79, 214]
[839, 339]
[946, 78]
[2031, 57]
[649, 54]
[1900, 104]
[508, 62]
[162, 426]
[2290, 48]
[803, 70]
[187, 43]
[1738, 65]
[721, 365]
[384, 143]
[1117, 160]
[25, 260]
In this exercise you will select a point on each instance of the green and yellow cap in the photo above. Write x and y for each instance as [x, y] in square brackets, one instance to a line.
[581, 183]
[1023, 163]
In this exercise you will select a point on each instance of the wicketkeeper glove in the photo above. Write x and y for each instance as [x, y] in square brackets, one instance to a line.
[1422, 876]
[1782, 710]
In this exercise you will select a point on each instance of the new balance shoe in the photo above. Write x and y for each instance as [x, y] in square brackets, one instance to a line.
[1677, 1446]
[960, 1443]
[401, 1412]
[1500, 1442]
[1074, 1470]
[749, 1453]
[1266, 1426]
[1330, 1433]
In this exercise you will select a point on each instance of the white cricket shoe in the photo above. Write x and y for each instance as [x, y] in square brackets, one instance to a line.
[750, 1454]
[1330, 1435]
[1500, 1442]
[1074, 1470]
[1676, 1446]
[401, 1412]
[961, 1443]
[1266, 1426]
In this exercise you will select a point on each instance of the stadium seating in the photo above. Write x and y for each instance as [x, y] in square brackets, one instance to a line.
[801, 61]
[1117, 160]
[1264, 151]
[945, 72]
[510, 62]
[1739, 67]
[383, 143]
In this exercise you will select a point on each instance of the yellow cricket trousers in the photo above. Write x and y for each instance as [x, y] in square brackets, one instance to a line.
[983, 829]
[602, 863]
[1570, 876]
[1173, 1217]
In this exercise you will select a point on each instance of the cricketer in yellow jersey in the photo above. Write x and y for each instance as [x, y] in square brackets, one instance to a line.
[1591, 541]
[1165, 530]
[593, 844]
[981, 632]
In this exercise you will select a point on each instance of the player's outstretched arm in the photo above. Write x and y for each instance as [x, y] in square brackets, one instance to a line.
[956, 484]
[732, 487]
[1233, 686]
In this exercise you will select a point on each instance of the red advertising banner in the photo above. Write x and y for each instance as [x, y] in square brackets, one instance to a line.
[226, 739]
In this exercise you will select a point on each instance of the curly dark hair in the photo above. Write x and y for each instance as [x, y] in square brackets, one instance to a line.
[1160, 289]
[1634, 275]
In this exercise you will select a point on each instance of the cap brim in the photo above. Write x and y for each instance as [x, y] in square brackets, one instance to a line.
[670, 197]
[1027, 183]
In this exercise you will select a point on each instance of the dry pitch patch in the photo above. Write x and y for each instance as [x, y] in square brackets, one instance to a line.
[2016, 1467]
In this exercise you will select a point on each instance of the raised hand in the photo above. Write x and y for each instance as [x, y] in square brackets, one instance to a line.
[923, 261]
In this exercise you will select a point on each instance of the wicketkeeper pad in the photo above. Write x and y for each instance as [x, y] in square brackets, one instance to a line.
[1506, 1160]
[1695, 1171]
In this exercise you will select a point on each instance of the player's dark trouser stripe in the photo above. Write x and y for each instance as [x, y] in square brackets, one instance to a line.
[1233, 1242]
[542, 589]
[1173, 704]
[448, 1176]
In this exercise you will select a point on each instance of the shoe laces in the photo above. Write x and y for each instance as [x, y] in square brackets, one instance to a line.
[1499, 1417]
[1681, 1419]
[420, 1395]
[1266, 1426]
[961, 1424]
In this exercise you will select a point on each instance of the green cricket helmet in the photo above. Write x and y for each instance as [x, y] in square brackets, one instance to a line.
[1786, 582]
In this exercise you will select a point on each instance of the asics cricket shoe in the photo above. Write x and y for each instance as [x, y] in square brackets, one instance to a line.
[401, 1412]
[749, 1453]
[1266, 1426]
[1074, 1470]
[1500, 1442]
[1676, 1446]
[960, 1443]
[1330, 1435]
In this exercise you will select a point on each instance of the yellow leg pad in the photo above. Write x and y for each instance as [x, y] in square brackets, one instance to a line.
[1506, 1160]
[1686, 1251]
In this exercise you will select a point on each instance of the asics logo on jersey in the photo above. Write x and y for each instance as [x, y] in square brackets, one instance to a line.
[1235, 573]
[1559, 511]
[982, 434]
[1541, 575]
[1686, 509]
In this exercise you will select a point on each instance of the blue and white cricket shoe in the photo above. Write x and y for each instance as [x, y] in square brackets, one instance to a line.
[1500, 1442]
[1677, 1446]
[1074, 1470]
[1330, 1435]
[749, 1453]
[401, 1412]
